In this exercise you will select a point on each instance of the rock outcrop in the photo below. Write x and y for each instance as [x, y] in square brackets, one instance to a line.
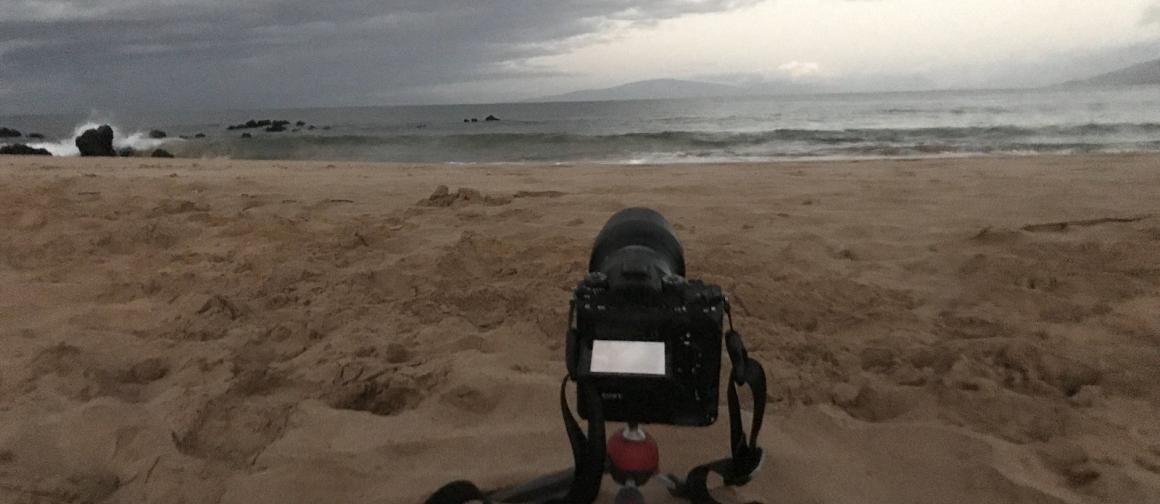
[23, 150]
[97, 142]
[262, 123]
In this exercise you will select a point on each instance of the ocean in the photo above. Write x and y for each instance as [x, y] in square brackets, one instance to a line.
[848, 126]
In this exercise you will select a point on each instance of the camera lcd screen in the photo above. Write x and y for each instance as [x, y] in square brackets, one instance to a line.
[628, 357]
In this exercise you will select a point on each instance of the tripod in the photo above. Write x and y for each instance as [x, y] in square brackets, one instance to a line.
[631, 456]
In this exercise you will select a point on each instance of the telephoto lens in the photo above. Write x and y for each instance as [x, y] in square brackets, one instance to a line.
[635, 251]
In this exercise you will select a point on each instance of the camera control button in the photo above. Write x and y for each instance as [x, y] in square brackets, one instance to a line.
[596, 279]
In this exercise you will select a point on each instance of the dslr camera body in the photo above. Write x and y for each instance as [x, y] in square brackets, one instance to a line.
[643, 336]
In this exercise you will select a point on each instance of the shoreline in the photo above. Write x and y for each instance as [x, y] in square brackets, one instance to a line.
[951, 330]
[937, 159]
[631, 163]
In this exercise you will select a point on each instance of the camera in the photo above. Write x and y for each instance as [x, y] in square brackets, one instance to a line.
[644, 337]
[643, 346]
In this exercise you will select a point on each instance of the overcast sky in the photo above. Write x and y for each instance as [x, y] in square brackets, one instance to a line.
[60, 55]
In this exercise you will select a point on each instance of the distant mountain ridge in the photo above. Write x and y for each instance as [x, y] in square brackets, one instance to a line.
[1136, 75]
[666, 89]
[1141, 74]
[650, 89]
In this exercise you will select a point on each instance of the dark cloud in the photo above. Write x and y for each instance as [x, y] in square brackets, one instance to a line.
[57, 54]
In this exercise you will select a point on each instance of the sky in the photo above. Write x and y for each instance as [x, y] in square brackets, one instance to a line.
[67, 55]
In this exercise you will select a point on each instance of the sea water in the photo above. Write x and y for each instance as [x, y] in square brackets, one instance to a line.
[846, 126]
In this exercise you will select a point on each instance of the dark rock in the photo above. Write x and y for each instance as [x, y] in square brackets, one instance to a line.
[474, 119]
[311, 127]
[467, 120]
[37, 136]
[247, 135]
[97, 142]
[126, 152]
[300, 124]
[162, 153]
[275, 128]
[199, 135]
[491, 118]
[251, 124]
[9, 133]
[255, 124]
[23, 150]
[157, 134]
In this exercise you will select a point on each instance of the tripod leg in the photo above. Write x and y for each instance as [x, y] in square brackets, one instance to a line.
[629, 495]
[538, 490]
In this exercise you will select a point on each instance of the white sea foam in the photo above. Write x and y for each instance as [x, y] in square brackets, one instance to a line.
[137, 140]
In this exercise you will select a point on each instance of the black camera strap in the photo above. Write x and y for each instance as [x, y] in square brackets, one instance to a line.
[588, 452]
[582, 484]
[745, 457]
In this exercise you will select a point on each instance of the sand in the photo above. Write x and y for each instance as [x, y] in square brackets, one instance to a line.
[935, 331]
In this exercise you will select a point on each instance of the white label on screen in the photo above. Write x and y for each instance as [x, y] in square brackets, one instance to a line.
[628, 357]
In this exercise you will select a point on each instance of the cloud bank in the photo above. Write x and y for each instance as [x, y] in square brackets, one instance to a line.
[80, 54]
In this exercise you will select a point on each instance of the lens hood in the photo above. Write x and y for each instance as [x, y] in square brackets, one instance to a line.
[638, 227]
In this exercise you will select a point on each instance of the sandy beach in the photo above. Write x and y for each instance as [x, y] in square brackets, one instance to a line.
[934, 331]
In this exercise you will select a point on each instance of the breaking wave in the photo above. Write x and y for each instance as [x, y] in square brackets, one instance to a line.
[672, 146]
[137, 140]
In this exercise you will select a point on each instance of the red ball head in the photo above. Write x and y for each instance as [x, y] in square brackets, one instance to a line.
[633, 459]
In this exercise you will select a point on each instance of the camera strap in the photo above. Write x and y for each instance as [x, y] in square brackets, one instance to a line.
[588, 451]
[745, 457]
[582, 483]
